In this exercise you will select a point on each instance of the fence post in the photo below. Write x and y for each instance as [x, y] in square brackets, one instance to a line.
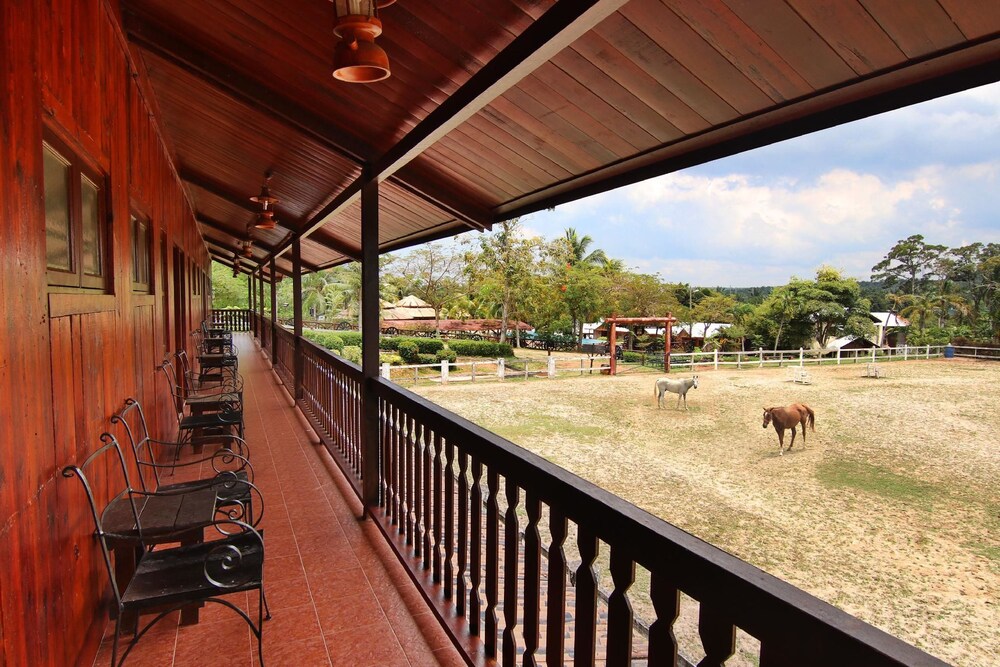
[716, 358]
[801, 357]
[552, 367]
[873, 354]
[838, 356]
[473, 372]
[760, 350]
[739, 360]
[444, 371]
[581, 366]
[928, 351]
[906, 349]
[386, 373]
[500, 368]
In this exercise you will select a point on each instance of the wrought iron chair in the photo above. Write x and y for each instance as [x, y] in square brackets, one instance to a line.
[233, 478]
[214, 416]
[167, 579]
[202, 379]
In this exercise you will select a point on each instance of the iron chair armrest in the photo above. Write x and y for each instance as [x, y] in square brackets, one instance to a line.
[242, 448]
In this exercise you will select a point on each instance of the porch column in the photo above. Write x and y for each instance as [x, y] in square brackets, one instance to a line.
[252, 303]
[260, 301]
[297, 310]
[369, 341]
[274, 314]
[611, 346]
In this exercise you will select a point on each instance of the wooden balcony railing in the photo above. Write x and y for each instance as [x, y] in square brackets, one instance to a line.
[234, 319]
[284, 355]
[525, 562]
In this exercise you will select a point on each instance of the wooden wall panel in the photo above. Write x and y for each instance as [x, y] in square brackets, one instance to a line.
[65, 64]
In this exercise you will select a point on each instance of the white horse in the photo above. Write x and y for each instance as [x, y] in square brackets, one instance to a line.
[679, 387]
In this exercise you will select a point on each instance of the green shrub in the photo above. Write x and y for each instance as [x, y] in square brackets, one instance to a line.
[446, 355]
[427, 359]
[409, 351]
[634, 357]
[389, 358]
[327, 339]
[424, 345]
[481, 348]
[352, 338]
[352, 353]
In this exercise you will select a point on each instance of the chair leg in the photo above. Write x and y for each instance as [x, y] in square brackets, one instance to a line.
[114, 643]
[260, 625]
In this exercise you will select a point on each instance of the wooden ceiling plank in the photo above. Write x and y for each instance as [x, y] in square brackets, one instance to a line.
[851, 32]
[975, 19]
[734, 39]
[504, 112]
[629, 89]
[681, 101]
[248, 91]
[794, 40]
[486, 127]
[918, 28]
[695, 55]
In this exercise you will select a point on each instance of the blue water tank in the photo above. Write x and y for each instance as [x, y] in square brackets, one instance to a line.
[949, 352]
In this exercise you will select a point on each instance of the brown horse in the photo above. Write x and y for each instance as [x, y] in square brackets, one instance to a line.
[790, 417]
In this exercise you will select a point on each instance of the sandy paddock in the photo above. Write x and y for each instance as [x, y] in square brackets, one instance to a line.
[890, 510]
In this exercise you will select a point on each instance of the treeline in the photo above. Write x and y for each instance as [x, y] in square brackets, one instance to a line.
[556, 286]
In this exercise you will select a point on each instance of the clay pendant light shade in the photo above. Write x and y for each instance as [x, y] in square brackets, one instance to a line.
[356, 57]
[265, 219]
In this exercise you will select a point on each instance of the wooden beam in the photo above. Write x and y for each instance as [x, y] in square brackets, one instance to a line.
[369, 342]
[219, 227]
[217, 188]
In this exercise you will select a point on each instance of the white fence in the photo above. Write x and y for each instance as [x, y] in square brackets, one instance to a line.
[497, 369]
[552, 367]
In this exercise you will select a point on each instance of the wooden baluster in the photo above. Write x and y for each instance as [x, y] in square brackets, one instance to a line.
[397, 435]
[666, 601]
[492, 562]
[440, 501]
[429, 497]
[718, 636]
[386, 412]
[416, 523]
[585, 615]
[463, 535]
[406, 479]
[449, 519]
[620, 609]
[475, 544]
[511, 556]
[555, 623]
[532, 577]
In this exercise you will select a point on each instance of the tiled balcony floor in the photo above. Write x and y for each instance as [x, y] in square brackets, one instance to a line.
[337, 594]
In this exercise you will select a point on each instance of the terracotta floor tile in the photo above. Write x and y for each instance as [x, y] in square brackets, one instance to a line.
[228, 642]
[292, 592]
[305, 653]
[366, 646]
[280, 568]
[342, 613]
[293, 623]
[337, 584]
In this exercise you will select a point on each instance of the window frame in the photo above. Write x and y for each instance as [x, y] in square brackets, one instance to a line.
[80, 167]
[136, 218]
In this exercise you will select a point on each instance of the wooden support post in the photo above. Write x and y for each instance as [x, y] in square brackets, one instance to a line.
[611, 347]
[369, 341]
[260, 301]
[252, 302]
[666, 342]
[274, 314]
[297, 365]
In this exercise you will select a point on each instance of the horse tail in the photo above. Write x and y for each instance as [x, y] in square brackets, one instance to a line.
[812, 417]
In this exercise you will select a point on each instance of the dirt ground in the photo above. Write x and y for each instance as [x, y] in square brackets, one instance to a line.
[890, 510]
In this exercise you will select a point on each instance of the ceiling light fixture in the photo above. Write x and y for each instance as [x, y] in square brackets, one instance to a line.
[265, 218]
[356, 57]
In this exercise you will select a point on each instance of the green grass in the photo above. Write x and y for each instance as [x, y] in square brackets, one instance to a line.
[529, 426]
[860, 476]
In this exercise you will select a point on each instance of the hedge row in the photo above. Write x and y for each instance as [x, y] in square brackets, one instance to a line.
[435, 348]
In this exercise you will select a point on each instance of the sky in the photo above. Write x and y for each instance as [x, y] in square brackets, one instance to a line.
[840, 197]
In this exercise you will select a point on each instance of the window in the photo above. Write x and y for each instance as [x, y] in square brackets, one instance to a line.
[75, 218]
[141, 248]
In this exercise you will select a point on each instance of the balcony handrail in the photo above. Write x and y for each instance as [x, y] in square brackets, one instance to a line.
[795, 623]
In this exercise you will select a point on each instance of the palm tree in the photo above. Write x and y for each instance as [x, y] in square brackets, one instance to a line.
[578, 246]
[920, 306]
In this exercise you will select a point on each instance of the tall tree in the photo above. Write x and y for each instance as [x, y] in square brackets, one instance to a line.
[433, 273]
[503, 268]
[228, 292]
[907, 263]
[577, 247]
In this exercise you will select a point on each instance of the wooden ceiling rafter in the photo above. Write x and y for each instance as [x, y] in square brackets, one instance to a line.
[223, 229]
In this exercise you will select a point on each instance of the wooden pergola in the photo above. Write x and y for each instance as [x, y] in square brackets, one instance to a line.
[667, 322]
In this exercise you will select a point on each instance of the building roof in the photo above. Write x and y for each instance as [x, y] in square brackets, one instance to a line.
[499, 108]
[889, 319]
[409, 308]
